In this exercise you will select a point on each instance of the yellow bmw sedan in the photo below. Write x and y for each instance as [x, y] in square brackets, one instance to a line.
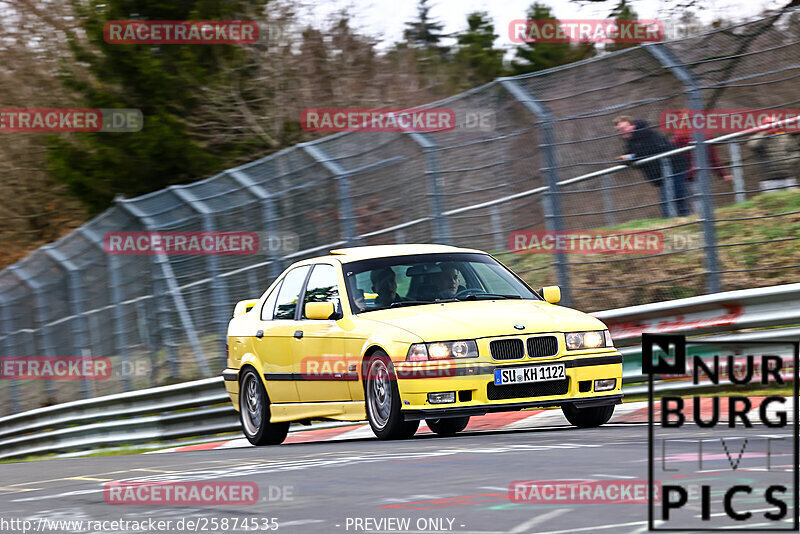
[395, 334]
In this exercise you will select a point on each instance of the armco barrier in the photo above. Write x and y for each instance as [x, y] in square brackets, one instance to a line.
[202, 407]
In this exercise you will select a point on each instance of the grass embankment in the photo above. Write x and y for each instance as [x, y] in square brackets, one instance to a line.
[772, 227]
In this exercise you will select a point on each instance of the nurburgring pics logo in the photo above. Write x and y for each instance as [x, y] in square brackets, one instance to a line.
[62, 120]
[54, 368]
[180, 32]
[584, 242]
[711, 121]
[585, 31]
[741, 452]
[377, 120]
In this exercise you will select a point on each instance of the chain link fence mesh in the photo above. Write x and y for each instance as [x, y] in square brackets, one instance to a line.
[162, 319]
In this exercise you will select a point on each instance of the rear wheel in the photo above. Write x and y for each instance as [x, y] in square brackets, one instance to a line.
[447, 426]
[383, 400]
[254, 413]
[588, 417]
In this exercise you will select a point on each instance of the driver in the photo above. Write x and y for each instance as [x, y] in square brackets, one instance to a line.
[447, 281]
[385, 285]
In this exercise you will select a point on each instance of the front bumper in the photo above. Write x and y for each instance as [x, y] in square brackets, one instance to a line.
[473, 384]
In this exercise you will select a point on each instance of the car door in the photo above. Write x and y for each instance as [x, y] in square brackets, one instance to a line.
[273, 342]
[319, 348]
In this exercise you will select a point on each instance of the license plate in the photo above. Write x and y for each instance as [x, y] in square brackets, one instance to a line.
[522, 375]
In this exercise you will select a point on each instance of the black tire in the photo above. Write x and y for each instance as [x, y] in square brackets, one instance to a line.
[254, 412]
[382, 400]
[588, 417]
[447, 426]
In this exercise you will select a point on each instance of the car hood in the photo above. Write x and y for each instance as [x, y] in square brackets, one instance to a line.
[467, 320]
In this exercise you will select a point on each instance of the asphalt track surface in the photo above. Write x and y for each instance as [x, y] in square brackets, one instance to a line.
[439, 484]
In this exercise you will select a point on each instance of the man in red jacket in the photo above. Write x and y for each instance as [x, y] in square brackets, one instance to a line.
[680, 139]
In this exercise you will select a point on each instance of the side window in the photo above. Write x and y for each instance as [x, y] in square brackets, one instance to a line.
[322, 286]
[286, 302]
[269, 304]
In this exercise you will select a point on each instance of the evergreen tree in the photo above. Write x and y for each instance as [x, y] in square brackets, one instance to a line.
[622, 12]
[163, 81]
[533, 56]
[476, 58]
[425, 32]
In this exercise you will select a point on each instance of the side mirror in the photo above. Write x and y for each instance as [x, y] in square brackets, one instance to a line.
[320, 310]
[244, 306]
[551, 294]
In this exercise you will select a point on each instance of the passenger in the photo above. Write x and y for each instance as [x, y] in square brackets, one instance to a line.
[385, 285]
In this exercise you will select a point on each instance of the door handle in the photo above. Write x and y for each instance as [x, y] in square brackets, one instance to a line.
[298, 334]
[260, 334]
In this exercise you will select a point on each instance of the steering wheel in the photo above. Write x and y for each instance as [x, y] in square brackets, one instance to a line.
[468, 292]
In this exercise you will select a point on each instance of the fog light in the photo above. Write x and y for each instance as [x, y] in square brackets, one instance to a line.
[605, 384]
[442, 398]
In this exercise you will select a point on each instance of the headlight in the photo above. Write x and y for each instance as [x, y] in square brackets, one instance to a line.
[588, 340]
[442, 350]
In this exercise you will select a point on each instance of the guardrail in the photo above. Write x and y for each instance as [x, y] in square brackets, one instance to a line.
[202, 407]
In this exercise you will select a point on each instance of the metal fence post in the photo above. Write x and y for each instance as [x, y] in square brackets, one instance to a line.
[119, 332]
[160, 262]
[695, 96]
[80, 334]
[441, 230]
[341, 176]
[496, 222]
[7, 324]
[553, 214]
[608, 200]
[267, 213]
[44, 341]
[668, 188]
[736, 171]
[219, 293]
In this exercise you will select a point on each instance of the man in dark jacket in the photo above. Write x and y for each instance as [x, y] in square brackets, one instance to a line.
[641, 141]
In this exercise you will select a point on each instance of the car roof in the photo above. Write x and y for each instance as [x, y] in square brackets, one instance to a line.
[346, 255]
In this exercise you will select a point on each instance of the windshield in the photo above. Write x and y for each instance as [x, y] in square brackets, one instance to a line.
[382, 283]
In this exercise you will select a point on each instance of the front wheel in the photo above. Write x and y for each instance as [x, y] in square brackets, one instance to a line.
[254, 413]
[588, 417]
[383, 400]
[447, 426]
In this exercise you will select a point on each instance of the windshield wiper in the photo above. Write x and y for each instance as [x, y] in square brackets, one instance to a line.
[416, 302]
[490, 296]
